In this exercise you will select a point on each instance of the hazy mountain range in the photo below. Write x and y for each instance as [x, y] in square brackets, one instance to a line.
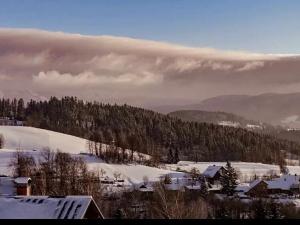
[276, 109]
[213, 117]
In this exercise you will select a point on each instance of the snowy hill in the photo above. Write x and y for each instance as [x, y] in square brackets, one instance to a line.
[29, 138]
[131, 173]
[33, 140]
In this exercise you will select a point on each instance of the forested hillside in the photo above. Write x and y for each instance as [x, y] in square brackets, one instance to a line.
[216, 117]
[211, 117]
[148, 132]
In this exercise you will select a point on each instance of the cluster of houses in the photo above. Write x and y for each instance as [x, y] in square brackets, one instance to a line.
[285, 185]
[6, 121]
[16, 202]
[186, 183]
[237, 124]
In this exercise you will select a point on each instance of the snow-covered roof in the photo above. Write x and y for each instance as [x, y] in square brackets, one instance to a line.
[193, 187]
[215, 187]
[174, 186]
[244, 187]
[242, 195]
[254, 183]
[7, 186]
[146, 188]
[284, 182]
[22, 180]
[107, 179]
[44, 207]
[211, 171]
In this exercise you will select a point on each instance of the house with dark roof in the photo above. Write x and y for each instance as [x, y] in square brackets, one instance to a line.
[257, 188]
[213, 174]
[286, 184]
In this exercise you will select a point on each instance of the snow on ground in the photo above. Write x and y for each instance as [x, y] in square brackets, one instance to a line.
[33, 140]
[247, 170]
[131, 173]
[134, 174]
[29, 138]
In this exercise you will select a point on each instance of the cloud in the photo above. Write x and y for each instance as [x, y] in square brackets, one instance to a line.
[88, 79]
[251, 66]
[3, 77]
[134, 71]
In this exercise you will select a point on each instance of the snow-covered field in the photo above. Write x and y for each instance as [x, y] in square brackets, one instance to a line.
[29, 138]
[33, 140]
[246, 170]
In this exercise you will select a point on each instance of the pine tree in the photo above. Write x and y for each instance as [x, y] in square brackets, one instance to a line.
[228, 179]
[203, 187]
[167, 179]
[195, 173]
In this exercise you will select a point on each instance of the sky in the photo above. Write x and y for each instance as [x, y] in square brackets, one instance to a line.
[148, 53]
[268, 26]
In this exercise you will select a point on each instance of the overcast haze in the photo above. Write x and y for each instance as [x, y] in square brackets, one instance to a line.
[108, 68]
[148, 53]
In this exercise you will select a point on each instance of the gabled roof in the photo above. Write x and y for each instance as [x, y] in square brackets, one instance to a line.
[193, 187]
[242, 187]
[44, 207]
[211, 171]
[22, 180]
[254, 184]
[145, 188]
[7, 186]
[285, 182]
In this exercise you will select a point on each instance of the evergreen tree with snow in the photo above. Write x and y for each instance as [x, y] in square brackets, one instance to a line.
[167, 179]
[195, 173]
[228, 179]
[203, 187]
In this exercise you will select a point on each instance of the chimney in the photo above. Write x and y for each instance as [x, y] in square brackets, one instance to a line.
[23, 186]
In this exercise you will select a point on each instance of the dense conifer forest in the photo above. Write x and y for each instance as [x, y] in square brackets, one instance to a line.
[168, 139]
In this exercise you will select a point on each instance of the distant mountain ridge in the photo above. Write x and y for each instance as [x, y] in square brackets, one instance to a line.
[276, 109]
[213, 117]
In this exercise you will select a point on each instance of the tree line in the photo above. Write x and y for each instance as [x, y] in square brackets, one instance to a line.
[165, 138]
[56, 173]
